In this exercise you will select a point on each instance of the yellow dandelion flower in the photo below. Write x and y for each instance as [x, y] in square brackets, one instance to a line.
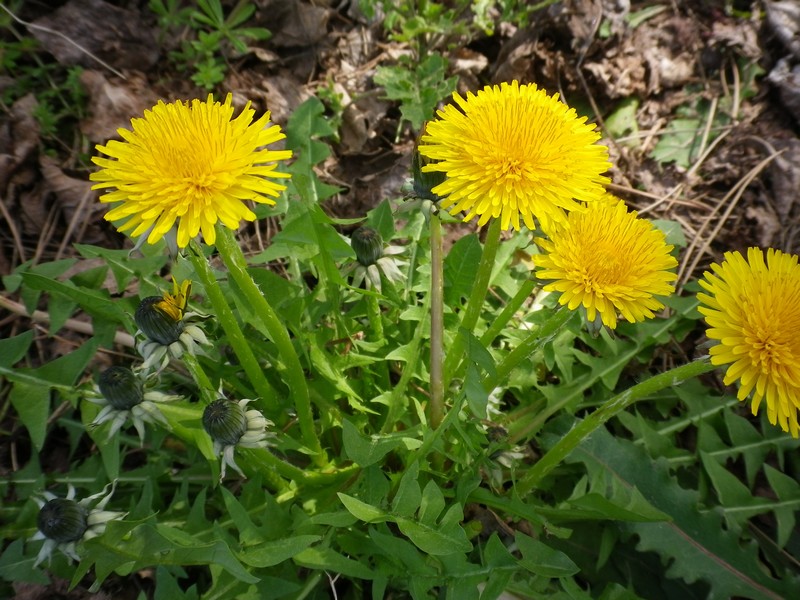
[174, 305]
[191, 163]
[609, 261]
[752, 312]
[511, 151]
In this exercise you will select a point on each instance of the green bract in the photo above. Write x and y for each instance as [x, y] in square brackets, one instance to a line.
[367, 244]
[62, 520]
[166, 330]
[230, 426]
[65, 522]
[225, 422]
[155, 324]
[120, 387]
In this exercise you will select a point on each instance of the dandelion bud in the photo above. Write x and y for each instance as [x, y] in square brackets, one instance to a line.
[367, 243]
[62, 520]
[225, 421]
[156, 324]
[120, 387]
[424, 181]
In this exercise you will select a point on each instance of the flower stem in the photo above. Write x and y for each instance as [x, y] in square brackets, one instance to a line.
[435, 407]
[508, 312]
[207, 391]
[522, 426]
[232, 256]
[274, 468]
[397, 400]
[536, 339]
[376, 326]
[375, 320]
[475, 302]
[267, 463]
[231, 327]
[583, 429]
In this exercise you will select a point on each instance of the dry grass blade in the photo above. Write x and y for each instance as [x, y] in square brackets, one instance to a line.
[14, 231]
[121, 338]
[730, 201]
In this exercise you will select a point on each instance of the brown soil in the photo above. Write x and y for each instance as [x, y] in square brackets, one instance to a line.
[728, 171]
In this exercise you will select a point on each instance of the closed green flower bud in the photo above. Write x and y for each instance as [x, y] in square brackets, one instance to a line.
[367, 243]
[424, 182]
[121, 388]
[156, 324]
[62, 520]
[225, 421]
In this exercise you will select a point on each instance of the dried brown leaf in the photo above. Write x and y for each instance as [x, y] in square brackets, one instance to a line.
[784, 174]
[115, 35]
[786, 78]
[282, 96]
[783, 21]
[297, 24]
[70, 192]
[113, 104]
[768, 224]
[19, 139]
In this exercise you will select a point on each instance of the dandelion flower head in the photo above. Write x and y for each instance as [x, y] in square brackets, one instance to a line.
[609, 261]
[191, 163]
[230, 425]
[513, 151]
[165, 328]
[751, 308]
[373, 259]
[63, 523]
[125, 395]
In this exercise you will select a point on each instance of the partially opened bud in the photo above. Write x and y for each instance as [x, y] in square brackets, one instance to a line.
[367, 243]
[168, 329]
[62, 520]
[225, 422]
[156, 324]
[121, 388]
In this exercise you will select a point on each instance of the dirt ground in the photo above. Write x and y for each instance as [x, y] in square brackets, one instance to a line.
[699, 102]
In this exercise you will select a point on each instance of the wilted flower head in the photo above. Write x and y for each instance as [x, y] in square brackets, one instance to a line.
[64, 522]
[373, 257]
[751, 307]
[192, 163]
[609, 261]
[512, 151]
[123, 395]
[230, 425]
[166, 327]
